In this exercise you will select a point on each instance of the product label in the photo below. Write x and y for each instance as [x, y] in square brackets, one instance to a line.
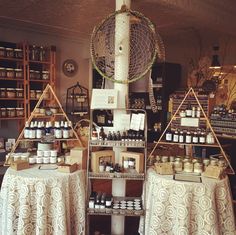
[176, 138]
[195, 139]
[58, 133]
[202, 139]
[66, 134]
[181, 138]
[38, 134]
[188, 138]
[26, 134]
[168, 136]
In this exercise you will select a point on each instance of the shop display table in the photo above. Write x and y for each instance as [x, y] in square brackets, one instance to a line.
[187, 208]
[43, 202]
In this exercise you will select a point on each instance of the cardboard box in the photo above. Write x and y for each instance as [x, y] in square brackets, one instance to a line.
[19, 165]
[77, 155]
[67, 168]
[215, 172]
[164, 168]
[96, 157]
[138, 157]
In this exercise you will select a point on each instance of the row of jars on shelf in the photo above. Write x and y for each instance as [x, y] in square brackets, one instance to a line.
[11, 112]
[11, 92]
[18, 73]
[37, 53]
[9, 52]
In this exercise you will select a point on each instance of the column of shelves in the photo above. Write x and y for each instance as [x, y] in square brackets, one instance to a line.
[109, 146]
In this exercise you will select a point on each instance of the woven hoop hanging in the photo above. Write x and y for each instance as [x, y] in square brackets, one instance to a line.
[142, 46]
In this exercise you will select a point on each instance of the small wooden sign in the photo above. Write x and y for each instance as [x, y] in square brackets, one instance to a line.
[164, 168]
[215, 172]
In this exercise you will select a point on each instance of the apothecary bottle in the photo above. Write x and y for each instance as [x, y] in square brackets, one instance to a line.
[210, 138]
[26, 130]
[181, 137]
[66, 131]
[176, 136]
[188, 110]
[169, 135]
[202, 138]
[188, 137]
[195, 138]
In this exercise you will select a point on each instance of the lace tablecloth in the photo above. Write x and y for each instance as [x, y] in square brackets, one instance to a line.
[187, 208]
[42, 202]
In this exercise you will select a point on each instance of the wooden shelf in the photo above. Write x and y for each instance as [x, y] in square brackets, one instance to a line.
[20, 99]
[117, 175]
[39, 80]
[47, 116]
[192, 144]
[11, 59]
[12, 118]
[13, 79]
[39, 62]
[37, 140]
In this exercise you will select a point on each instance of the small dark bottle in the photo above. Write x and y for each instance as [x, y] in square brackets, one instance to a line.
[169, 135]
[118, 136]
[188, 110]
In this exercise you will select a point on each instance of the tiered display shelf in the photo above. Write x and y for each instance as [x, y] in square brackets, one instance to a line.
[182, 106]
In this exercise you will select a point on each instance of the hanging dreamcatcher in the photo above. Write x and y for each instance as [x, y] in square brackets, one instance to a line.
[142, 45]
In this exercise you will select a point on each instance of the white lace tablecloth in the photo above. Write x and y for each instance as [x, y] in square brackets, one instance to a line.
[42, 202]
[187, 208]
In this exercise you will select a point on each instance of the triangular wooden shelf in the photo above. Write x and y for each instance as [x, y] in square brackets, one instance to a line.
[48, 90]
[191, 91]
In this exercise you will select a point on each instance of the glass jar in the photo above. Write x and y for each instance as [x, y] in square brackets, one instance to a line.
[20, 112]
[210, 138]
[45, 75]
[11, 112]
[3, 112]
[18, 53]
[188, 167]
[38, 94]
[9, 52]
[2, 72]
[10, 72]
[32, 94]
[178, 165]
[32, 74]
[19, 92]
[198, 167]
[3, 93]
[2, 51]
[37, 74]
[11, 93]
[18, 73]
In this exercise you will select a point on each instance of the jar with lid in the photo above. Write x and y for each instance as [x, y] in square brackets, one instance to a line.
[188, 167]
[198, 167]
[10, 72]
[9, 52]
[195, 138]
[188, 110]
[32, 94]
[169, 135]
[11, 93]
[176, 136]
[37, 74]
[19, 92]
[45, 75]
[32, 74]
[210, 138]
[18, 73]
[164, 159]
[182, 113]
[3, 112]
[20, 112]
[131, 163]
[2, 72]
[3, 93]
[178, 165]
[2, 51]
[38, 93]
[18, 53]
[11, 112]
[188, 138]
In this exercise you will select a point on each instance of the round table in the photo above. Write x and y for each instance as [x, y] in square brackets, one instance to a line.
[34, 201]
[187, 208]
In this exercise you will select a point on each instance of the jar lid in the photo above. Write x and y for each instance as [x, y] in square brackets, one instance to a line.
[9, 49]
[10, 108]
[2, 68]
[17, 49]
[19, 89]
[19, 108]
[10, 89]
[18, 70]
[2, 88]
[45, 71]
[36, 71]
[11, 69]
[39, 91]
[3, 108]
[2, 48]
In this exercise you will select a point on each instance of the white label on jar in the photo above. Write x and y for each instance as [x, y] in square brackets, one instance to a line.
[108, 203]
[38, 133]
[126, 164]
[195, 139]
[168, 136]
[32, 134]
[181, 138]
[202, 139]
[58, 133]
[188, 138]
[131, 163]
[176, 138]
[188, 113]
[26, 133]
[198, 113]
[66, 134]
[91, 204]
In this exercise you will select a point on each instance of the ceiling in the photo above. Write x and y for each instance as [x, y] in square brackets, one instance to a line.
[76, 19]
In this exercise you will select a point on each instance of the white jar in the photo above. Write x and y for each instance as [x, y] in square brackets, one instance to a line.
[53, 160]
[32, 160]
[47, 153]
[198, 167]
[39, 153]
[53, 153]
[46, 160]
[188, 167]
[39, 160]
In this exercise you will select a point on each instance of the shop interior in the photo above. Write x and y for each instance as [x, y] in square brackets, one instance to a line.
[118, 117]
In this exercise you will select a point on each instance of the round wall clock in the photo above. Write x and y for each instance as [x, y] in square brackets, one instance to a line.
[69, 67]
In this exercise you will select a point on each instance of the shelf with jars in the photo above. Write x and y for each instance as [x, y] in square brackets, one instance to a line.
[195, 138]
[24, 70]
[47, 138]
[116, 153]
